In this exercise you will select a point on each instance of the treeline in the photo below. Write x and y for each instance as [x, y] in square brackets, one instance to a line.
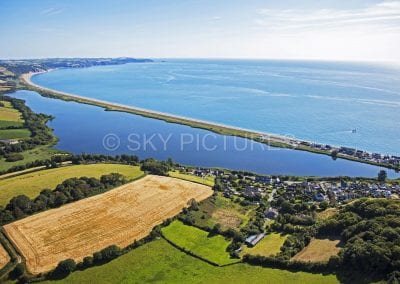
[65, 267]
[93, 158]
[36, 123]
[70, 190]
[58, 159]
[315, 267]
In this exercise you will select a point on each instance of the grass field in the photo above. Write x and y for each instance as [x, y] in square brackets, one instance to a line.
[4, 257]
[8, 113]
[209, 180]
[6, 123]
[199, 243]
[319, 250]
[268, 246]
[117, 217]
[159, 262]
[223, 211]
[32, 183]
[39, 153]
[22, 133]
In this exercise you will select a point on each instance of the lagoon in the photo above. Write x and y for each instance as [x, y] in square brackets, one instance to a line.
[89, 129]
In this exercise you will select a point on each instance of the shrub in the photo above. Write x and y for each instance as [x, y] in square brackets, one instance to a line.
[64, 268]
[155, 167]
[13, 157]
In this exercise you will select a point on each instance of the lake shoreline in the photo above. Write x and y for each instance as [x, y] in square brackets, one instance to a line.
[261, 137]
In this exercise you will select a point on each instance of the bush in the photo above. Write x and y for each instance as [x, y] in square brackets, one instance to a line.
[87, 261]
[13, 157]
[155, 167]
[18, 271]
[110, 252]
[64, 268]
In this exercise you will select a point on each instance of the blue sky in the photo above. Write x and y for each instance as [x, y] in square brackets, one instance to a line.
[327, 30]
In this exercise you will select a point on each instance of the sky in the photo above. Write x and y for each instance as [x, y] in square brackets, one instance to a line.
[355, 30]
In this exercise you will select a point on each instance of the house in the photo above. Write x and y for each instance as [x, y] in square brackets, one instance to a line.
[319, 197]
[252, 192]
[271, 213]
[347, 151]
[263, 179]
[9, 141]
[251, 241]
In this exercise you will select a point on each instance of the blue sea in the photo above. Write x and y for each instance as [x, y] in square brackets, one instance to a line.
[316, 101]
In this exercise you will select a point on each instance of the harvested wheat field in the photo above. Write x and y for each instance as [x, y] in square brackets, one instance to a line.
[119, 216]
[4, 257]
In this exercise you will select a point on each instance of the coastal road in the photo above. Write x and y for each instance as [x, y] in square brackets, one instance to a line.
[271, 195]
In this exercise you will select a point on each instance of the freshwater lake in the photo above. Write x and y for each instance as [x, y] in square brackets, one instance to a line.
[315, 101]
[89, 129]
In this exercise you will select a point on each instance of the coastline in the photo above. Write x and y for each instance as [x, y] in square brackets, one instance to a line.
[261, 137]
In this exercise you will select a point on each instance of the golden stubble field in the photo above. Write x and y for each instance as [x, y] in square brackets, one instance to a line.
[4, 257]
[119, 217]
[319, 250]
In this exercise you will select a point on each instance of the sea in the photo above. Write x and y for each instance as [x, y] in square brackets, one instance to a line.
[338, 103]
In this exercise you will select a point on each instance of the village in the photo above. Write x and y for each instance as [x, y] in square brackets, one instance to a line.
[390, 161]
[320, 193]
[254, 188]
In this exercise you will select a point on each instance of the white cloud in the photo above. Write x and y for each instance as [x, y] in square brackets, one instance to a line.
[51, 11]
[370, 33]
[382, 15]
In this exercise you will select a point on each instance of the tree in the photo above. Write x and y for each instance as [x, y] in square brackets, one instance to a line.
[110, 252]
[13, 157]
[155, 167]
[18, 271]
[97, 257]
[382, 175]
[87, 261]
[64, 268]
[334, 154]
[216, 229]
[323, 205]
[193, 205]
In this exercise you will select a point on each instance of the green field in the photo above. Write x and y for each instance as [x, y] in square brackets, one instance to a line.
[6, 123]
[159, 262]
[223, 211]
[14, 133]
[39, 153]
[270, 245]
[199, 243]
[31, 184]
[209, 180]
[8, 113]
[11, 117]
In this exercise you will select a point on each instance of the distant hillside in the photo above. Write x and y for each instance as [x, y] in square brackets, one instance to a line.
[19, 67]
